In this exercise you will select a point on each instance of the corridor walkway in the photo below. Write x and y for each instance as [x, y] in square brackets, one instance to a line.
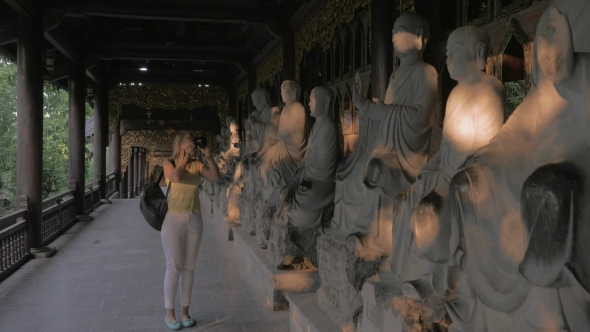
[108, 276]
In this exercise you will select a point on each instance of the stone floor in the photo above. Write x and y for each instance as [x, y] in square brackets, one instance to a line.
[108, 276]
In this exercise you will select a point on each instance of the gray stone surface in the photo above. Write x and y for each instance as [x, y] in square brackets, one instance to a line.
[292, 247]
[342, 276]
[247, 215]
[274, 283]
[108, 275]
[306, 316]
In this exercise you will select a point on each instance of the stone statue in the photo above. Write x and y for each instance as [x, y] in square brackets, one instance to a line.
[281, 159]
[421, 220]
[530, 274]
[312, 188]
[393, 143]
[261, 132]
[293, 238]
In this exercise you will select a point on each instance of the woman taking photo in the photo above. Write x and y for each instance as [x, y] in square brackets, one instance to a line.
[183, 226]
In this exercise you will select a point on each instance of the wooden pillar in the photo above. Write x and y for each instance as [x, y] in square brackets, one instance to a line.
[142, 161]
[233, 102]
[115, 154]
[101, 122]
[29, 143]
[76, 139]
[135, 171]
[131, 174]
[289, 55]
[251, 86]
[382, 19]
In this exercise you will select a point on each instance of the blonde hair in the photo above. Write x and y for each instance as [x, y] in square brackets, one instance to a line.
[177, 141]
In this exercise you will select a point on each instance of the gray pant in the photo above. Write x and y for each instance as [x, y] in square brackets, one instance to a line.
[181, 238]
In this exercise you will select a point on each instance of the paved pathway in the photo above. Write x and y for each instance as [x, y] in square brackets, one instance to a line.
[108, 276]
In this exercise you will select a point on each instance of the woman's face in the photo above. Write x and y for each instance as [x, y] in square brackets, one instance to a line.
[185, 139]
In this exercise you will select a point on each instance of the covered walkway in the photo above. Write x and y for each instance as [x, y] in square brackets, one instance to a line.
[108, 276]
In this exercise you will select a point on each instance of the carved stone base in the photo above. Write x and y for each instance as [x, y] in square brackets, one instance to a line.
[43, 252]
[275, 283]
[247, 216]
[292, 247]
[421, 316]
[378, 315]
[342, 276]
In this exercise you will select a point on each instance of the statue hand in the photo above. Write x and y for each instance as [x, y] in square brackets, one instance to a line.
[556, 58]
[480, 156]
[357, 90]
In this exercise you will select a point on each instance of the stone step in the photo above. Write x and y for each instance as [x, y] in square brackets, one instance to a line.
[306, 315]
[274, 283]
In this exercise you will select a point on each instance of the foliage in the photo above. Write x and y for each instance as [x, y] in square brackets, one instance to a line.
[55, 138]
[515, 92]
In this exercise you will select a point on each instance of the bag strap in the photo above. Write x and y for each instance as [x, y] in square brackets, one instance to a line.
[170, 183]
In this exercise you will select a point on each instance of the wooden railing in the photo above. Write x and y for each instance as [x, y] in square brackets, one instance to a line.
[14, 248]
[91, 196]
[59, 213]
[110, 184]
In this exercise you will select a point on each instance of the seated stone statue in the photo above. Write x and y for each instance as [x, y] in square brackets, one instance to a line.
[282, 158]
[519, 273]
[393, 143]
[422, 223]
[311, 189]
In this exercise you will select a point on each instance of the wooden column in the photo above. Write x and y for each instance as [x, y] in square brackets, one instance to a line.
[289, 55]
[131, 174]
[76, 139]
[233, 102]
[115, 152]
[142, 161]
[135, 171]
[382, 19]
[29, 143]
[101, 122]
[251, 86]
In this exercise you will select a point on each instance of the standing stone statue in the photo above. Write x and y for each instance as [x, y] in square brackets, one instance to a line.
[393, 143]
[393, 140]
[530, 274]
[309, 191]
[282, 158]
[422, 221]
[261, 132]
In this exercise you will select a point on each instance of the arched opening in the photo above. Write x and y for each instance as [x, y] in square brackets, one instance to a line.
[348, 125]
[347, 56]
[328, 66]
[513, 66]
[358, 48]
[337, 60]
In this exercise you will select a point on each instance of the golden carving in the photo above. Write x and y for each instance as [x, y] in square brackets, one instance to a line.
[405, 6]
[321, 28]
[521, 37]
[242, 92]
[164, 96]
[484, 17]
[266, 72]
[502, 11]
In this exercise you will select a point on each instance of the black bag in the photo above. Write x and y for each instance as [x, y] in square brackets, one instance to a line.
[153, 203]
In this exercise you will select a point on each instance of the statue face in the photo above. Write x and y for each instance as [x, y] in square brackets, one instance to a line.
[233, 127]
[258, 100]
[404, 40]
[313, 105]
[287, 93]
[461, 58]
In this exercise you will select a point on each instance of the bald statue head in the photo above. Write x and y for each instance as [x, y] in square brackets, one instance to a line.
[260, 98]
[467, 51]
[410, 34]
[321, 101]
[290, 91]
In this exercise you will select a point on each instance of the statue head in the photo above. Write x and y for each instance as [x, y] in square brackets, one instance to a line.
[233, 126]
[260, 98]
[228, 121]
[467, 51]
[410, 34]
[290, 91]
[321, 101]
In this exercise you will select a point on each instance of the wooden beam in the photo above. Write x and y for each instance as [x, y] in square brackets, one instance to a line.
[9, 33]
[59, 73]
[22, 7]
[94, 75]
[165, 55]
[60, 42]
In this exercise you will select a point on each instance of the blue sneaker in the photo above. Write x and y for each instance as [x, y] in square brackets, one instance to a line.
[189, 322]
[174, 326]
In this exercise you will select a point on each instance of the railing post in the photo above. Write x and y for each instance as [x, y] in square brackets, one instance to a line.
[131, 173]
[23, 204]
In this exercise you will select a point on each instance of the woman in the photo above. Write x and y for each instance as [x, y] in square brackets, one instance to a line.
[183, 226]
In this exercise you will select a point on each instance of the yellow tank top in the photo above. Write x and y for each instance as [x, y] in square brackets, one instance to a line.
[184, 196]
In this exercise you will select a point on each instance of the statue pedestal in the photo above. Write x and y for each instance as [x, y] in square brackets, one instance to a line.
[342, 276]
[378, 315]
[263, 220]
[246, 206]
[223, 225]
[274, 283]
[306, 316]
[292, 247]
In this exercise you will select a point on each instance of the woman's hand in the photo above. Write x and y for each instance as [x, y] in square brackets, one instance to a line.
[206, 152]
[187, 147]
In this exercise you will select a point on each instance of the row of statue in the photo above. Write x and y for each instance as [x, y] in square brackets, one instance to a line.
[491, 227]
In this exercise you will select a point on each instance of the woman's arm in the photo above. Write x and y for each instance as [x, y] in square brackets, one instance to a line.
[209, 172]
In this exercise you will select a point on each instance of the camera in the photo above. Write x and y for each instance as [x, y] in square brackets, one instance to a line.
[200, 141]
